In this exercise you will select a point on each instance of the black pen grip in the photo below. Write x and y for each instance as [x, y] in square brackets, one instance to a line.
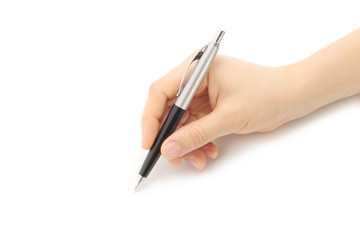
[168, 127]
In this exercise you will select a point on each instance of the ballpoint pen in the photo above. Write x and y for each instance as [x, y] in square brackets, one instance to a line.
[185, 94]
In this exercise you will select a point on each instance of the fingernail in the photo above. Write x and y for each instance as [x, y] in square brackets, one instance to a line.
[174, 164]
[210, 154]
[171, 150]
[193, 162]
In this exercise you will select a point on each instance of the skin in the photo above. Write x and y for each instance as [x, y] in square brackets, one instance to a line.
[241, 97]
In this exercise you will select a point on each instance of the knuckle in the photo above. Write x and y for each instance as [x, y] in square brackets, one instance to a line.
[198, 135]
[153, 88]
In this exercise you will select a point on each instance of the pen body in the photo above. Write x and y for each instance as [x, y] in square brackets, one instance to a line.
[205, 57]
[168, 127]
[196, 76]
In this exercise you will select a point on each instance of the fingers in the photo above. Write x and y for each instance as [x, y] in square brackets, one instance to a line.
[197, 158]
[155, 108]
[160, 93]
[210, 150]
[193, 135]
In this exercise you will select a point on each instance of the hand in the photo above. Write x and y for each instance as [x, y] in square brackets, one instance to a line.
[234, 97]
[241, 97]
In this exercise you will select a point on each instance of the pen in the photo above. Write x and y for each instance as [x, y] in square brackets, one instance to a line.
[185, 94]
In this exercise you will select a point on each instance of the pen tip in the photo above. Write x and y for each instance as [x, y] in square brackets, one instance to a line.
[139, 180]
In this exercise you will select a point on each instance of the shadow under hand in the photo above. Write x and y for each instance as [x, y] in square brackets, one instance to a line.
[229, 144]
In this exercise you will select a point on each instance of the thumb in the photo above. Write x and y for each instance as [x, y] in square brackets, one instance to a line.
[193, 136]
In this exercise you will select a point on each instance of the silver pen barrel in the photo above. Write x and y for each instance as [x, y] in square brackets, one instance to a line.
[199, 72]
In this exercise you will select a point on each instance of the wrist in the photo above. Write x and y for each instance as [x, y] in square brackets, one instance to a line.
[314, 84]
[330, 74]
[301, 94]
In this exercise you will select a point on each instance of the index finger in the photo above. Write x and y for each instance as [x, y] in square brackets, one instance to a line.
[160, 92]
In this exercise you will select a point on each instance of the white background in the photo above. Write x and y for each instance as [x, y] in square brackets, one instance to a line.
[74, 77]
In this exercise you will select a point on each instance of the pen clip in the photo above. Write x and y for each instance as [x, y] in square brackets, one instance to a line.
[196, 57]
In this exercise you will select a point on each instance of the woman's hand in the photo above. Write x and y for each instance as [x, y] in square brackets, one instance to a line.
[241, 97]
[234, 97]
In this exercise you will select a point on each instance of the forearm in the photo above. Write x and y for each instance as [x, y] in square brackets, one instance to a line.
[332, 73]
